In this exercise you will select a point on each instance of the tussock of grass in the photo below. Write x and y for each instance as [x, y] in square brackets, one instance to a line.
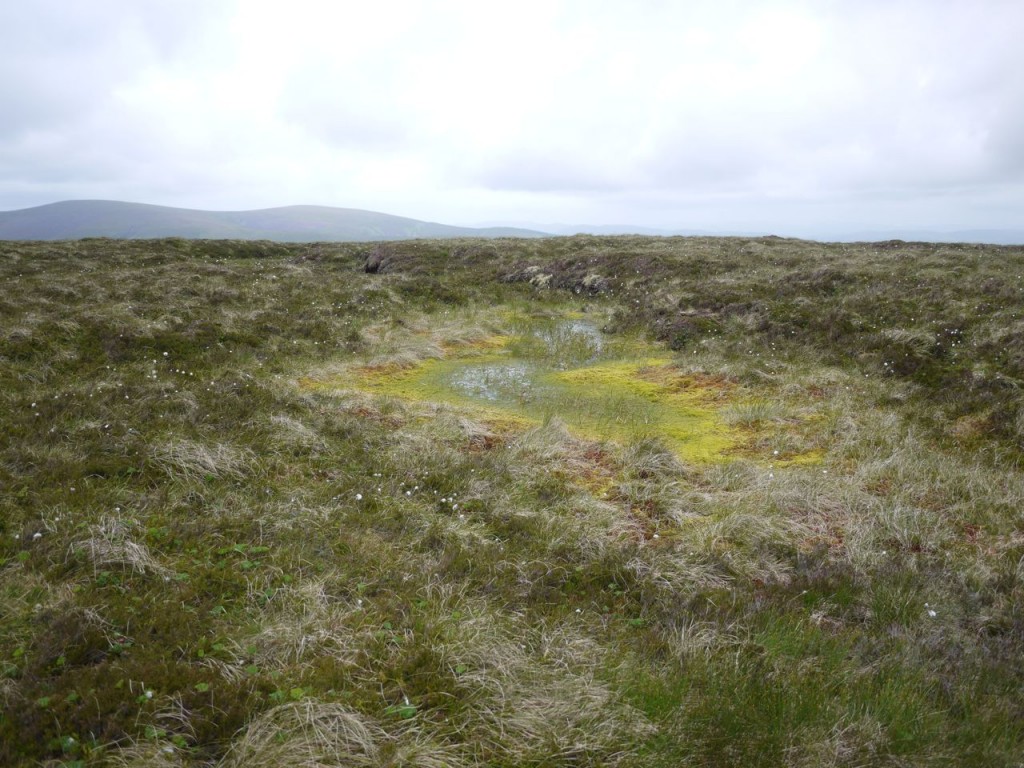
[308, 734]
[753, 413]
[192, 460]
[297, 623]
[110, 544]
[535, 698]
[158, 753]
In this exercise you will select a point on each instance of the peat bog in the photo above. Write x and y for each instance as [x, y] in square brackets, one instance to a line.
[570, 501]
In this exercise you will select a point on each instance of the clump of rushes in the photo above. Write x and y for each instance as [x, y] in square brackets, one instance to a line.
[220, 546]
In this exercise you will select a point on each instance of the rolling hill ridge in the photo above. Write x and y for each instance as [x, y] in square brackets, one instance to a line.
[73, 219]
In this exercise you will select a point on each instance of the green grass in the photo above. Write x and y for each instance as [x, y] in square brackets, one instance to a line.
[206, 560]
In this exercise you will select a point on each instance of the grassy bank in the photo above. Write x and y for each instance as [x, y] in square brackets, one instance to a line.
[208, 561]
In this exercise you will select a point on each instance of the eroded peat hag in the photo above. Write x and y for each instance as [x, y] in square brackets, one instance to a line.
[579, 501]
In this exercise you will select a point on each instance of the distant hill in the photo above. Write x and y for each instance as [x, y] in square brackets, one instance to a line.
[987, 236]
[73, 219]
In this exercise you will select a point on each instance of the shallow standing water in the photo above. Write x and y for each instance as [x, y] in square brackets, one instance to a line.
[601, 387]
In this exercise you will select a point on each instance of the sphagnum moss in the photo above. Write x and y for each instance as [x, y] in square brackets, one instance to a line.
[202, 563]
[525, 379]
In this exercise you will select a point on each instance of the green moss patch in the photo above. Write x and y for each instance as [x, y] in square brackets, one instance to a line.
[620, 391]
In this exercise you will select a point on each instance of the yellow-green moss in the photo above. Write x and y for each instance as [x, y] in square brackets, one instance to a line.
[627, 403]
[606, 401]
[506, 381]
[478, 346]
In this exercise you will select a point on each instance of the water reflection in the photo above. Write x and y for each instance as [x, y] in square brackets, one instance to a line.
[496, 382]
[571, 343]
[542, 347]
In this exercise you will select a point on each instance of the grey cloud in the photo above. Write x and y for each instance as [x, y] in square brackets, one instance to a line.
[62, 61]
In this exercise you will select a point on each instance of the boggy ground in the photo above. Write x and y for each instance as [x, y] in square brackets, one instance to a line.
[624, 389]
[245, 520]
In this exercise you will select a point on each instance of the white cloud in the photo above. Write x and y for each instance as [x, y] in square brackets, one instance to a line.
[650, 112]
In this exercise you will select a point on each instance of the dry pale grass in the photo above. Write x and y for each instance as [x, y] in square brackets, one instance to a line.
[291, 434]
[307, 734]
[304, 621]
[452, 329]
[534, 696]
[751, 545]
[399, 346]
[850, 743]
[151, 753]
[675, 573]
[109, 544]
[23, 591]
[413, 748]
[8, 692]
[550, 446]
[895, 493]
[313, 734]
[691, 638]
[195, 461]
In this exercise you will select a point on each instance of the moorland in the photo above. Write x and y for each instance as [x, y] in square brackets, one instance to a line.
[564, 501]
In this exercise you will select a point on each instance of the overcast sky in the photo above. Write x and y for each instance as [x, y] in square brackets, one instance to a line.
[803, 118]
